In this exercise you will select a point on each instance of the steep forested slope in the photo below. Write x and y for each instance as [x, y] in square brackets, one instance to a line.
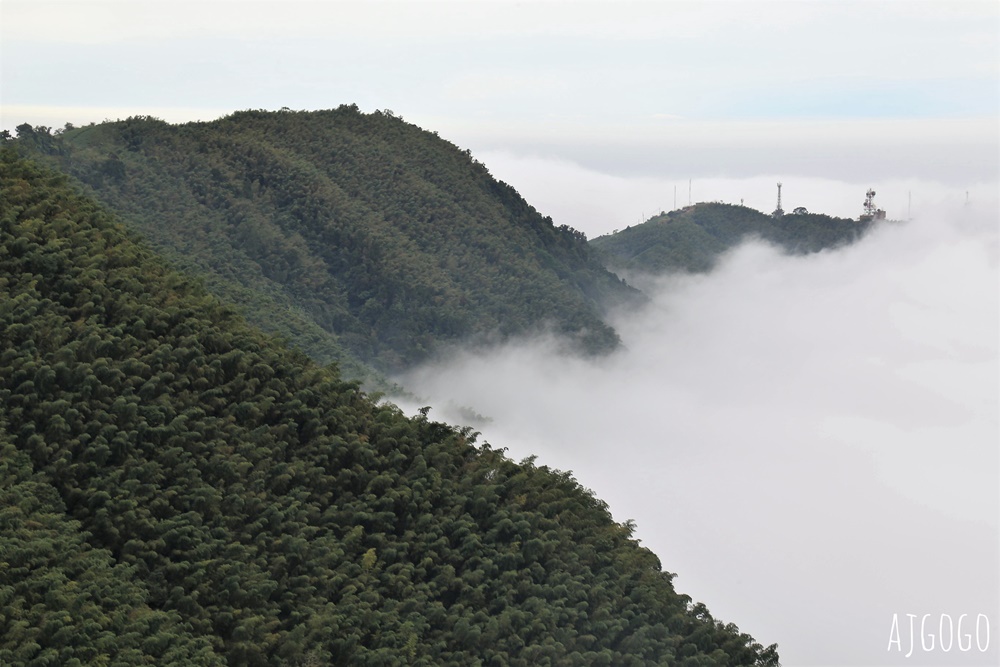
[692, 238]
[341, 231]
[177, 489]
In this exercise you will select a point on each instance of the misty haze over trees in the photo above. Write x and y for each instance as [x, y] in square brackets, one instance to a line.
[358, 237]
[692, 239]
[183, 489]
[208, 494]
[356, 386]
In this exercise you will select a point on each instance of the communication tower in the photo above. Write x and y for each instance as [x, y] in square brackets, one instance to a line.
[777, 211]
[872, 212]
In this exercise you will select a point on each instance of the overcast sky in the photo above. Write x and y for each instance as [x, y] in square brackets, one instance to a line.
[825, 430]
[626, 100]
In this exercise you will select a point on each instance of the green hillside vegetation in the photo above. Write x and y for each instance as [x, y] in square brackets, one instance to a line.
[692, 239]
[354, 236]
[176, 488]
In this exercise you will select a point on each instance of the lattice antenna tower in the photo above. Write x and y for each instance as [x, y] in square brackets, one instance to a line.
[778, 211]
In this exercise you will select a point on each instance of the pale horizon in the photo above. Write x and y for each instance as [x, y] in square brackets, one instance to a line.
[813, 440]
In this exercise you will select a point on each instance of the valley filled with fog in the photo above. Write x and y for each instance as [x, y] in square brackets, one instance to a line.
[812, 443]
[809, 441]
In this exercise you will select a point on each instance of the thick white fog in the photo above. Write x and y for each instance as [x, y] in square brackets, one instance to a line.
[811, 443]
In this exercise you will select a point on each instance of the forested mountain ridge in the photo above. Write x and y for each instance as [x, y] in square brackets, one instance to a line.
[179, 489]
[355, 236]
[692, 238]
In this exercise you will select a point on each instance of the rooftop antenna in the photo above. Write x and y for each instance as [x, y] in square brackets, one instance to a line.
[777, 211]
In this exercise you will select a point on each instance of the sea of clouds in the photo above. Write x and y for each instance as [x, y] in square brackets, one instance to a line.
[600, 202]
[811, 443]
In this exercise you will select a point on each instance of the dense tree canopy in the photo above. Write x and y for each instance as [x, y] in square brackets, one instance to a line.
[178, 489]
[355, 236]
[692, 238]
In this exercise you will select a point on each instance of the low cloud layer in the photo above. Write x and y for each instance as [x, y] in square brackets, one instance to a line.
[599, 202]
[810, 442]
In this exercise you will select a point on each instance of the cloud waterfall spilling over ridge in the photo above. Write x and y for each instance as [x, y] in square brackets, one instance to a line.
[810, 442]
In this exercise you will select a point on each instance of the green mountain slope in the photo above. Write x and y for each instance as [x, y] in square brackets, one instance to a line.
[692, 238]
[352, 235]
[178, 489]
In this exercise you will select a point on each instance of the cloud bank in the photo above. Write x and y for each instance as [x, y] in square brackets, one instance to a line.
[598, 201]
[810, 442]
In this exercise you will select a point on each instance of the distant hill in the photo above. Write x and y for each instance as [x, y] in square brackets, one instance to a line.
[692, 238]
[355, 236]
[177, 489]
